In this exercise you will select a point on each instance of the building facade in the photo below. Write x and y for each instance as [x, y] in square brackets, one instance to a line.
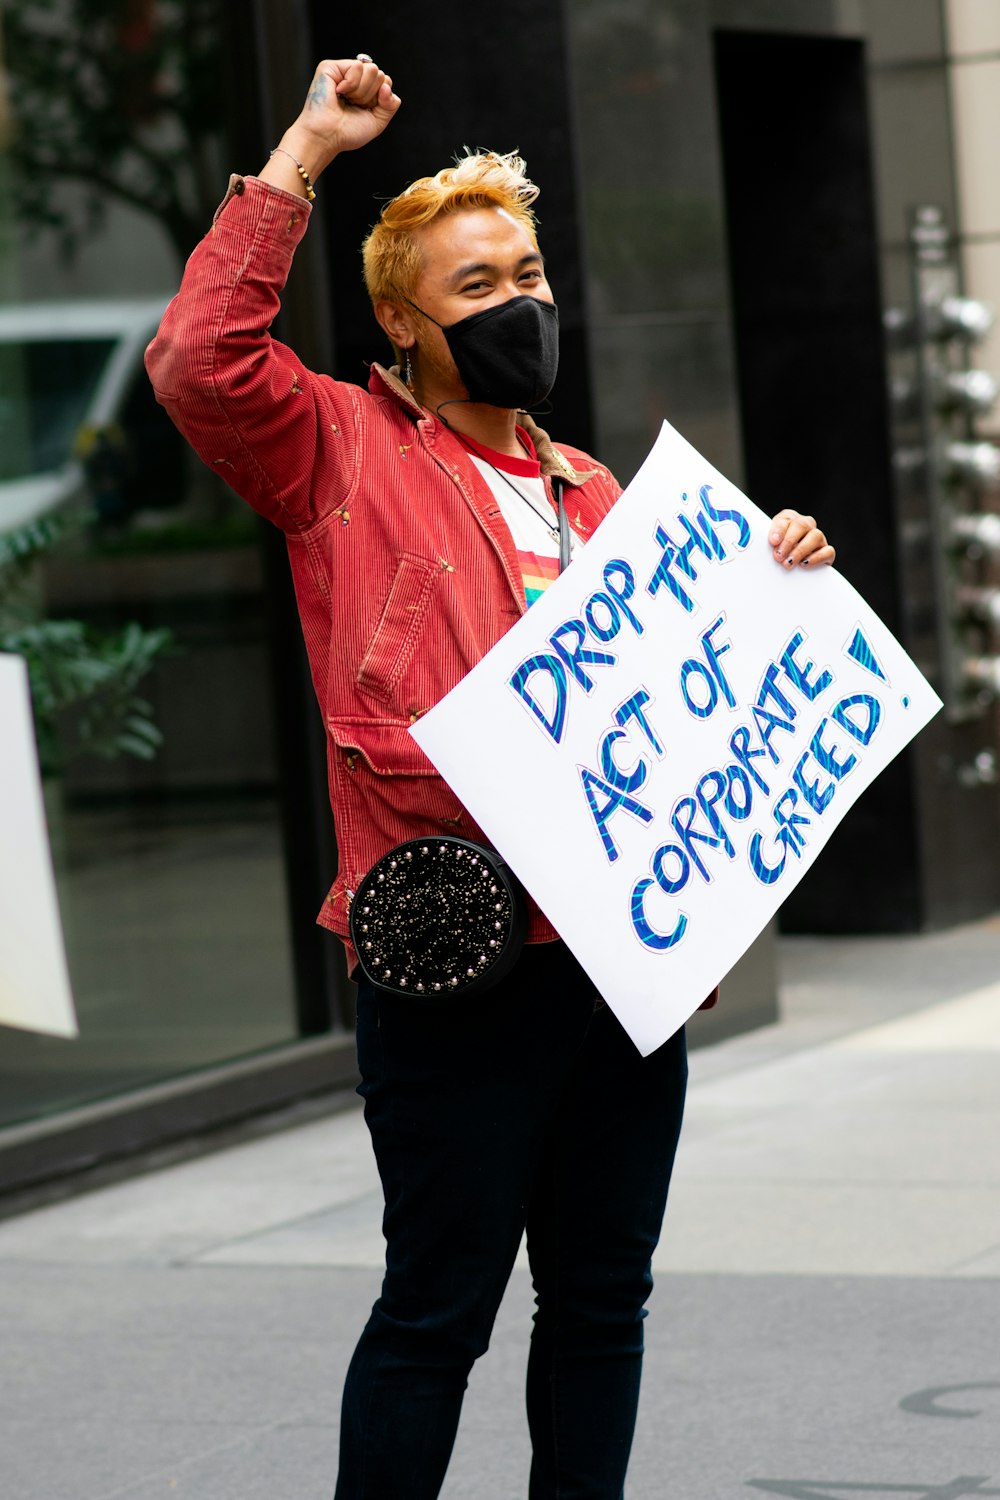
[727, 207]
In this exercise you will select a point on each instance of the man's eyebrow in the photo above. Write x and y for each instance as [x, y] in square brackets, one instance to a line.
[476, 267]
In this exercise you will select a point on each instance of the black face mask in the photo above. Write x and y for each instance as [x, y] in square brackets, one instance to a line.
[506, 355]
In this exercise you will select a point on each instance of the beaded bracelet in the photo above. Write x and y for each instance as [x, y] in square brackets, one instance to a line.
[310, 190]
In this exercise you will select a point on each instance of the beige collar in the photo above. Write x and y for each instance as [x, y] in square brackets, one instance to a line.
[553, 463]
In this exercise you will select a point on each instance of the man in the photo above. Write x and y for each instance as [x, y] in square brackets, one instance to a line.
[420, 523]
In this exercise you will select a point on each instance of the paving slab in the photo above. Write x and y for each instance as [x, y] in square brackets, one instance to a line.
[748, 1380]
[824, 1324]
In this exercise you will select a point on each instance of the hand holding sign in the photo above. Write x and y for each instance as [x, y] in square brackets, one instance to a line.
[674, 731]
[797, 539]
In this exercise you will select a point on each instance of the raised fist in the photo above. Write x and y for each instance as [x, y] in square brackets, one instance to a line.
[349, 104]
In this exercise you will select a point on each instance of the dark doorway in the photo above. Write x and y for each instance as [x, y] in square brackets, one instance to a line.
[456, 70]
[803, 256]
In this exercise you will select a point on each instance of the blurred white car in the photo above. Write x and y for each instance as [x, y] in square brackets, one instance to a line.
[72, 384]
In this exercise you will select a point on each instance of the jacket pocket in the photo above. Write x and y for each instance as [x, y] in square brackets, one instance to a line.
[387, 748]
[400, 626]
[385, 791]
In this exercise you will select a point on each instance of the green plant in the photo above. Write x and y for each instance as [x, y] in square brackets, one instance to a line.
[120, 97]
[83, 682]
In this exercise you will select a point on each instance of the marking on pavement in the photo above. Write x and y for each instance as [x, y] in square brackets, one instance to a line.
[833, 1489]
[925, 1403]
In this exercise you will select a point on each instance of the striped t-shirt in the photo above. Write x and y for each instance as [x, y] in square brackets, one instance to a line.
[527, 510]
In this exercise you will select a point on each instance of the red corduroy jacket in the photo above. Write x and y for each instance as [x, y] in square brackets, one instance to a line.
[405, 572]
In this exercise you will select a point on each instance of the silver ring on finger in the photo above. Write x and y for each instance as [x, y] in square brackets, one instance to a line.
[363, 57]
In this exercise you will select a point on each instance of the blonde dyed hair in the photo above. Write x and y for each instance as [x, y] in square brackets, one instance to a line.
[479, 179]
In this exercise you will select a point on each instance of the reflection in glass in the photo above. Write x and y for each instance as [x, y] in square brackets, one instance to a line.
[45, 390]
[133, 567]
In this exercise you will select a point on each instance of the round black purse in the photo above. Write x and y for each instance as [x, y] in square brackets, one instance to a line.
[437, 917]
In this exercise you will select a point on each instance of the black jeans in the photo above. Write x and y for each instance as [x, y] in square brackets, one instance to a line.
[525, 1107]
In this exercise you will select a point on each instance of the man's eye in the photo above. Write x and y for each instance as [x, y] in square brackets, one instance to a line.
[475, 286]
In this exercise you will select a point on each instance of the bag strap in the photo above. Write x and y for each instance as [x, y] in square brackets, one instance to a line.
[565, 540]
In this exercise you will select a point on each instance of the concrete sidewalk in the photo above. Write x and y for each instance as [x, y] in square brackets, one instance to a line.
[826, 1322]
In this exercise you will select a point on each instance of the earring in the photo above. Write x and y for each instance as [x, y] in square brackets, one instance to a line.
[408, 372]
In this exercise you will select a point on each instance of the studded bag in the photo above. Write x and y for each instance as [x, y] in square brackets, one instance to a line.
[438, 917]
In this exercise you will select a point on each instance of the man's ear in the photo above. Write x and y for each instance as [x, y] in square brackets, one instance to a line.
[397, 323]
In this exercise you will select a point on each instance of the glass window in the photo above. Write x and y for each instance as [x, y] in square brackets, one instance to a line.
[131, 577]
[46, 387]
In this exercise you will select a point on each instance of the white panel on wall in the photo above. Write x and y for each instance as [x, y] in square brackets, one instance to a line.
[976, 101]
[973, 26]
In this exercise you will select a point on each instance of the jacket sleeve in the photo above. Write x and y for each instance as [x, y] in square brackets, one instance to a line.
[282, 437]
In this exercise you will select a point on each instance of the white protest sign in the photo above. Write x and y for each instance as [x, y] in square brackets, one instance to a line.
[663, 744]
[34, 981]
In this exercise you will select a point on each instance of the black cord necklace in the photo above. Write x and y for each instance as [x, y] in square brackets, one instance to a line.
[547, 520]
[552, 530]
[559, 533]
